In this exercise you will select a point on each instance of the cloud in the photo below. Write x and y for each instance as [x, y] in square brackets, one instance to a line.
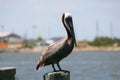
[1, 3]
[107, 4]
[51, 6]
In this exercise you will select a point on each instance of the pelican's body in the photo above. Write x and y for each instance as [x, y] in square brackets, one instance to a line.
[54, 53]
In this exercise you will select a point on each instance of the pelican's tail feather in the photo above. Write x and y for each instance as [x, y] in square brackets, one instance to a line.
[39, 66]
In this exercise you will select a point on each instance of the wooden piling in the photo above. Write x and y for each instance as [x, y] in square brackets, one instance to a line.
[58, 75]
[7, 73]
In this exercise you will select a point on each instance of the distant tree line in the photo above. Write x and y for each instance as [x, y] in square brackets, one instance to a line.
[98, 41]
[104, 41]
[32, 43]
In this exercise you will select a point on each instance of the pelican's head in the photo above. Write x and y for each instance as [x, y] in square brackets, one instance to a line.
[68, 23]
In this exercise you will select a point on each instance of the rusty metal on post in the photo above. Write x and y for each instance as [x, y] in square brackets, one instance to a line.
[58, 75]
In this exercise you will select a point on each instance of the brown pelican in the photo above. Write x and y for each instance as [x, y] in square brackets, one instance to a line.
[54, 53]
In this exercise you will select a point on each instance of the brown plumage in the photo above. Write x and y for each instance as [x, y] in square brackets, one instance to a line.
[54, 53]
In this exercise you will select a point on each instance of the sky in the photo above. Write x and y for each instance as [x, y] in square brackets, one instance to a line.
[33, 18]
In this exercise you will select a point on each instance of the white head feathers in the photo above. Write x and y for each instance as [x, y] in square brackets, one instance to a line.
[67, 15]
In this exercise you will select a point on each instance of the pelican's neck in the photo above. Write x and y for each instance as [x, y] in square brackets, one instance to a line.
[68, 23]
[70, 40]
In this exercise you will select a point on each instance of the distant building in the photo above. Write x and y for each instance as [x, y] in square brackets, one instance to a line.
[11, 40]
[52, 40]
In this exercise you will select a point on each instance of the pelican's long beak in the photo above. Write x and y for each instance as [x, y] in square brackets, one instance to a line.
[73, 33]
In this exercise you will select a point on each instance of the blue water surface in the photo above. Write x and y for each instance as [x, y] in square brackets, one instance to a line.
[96, 65]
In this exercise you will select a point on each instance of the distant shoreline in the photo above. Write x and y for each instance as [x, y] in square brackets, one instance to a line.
[40, 49]
[94, 48]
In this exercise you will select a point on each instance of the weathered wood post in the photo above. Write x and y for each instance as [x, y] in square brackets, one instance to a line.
[58, 75]
[7, 73]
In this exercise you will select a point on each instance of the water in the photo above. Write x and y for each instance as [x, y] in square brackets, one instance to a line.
[82, 65]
